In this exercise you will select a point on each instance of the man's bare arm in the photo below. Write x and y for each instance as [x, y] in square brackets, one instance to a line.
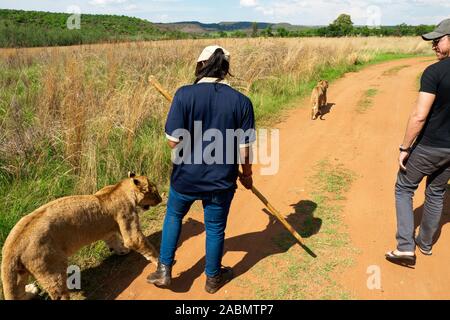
[415, 124]
[418, 117]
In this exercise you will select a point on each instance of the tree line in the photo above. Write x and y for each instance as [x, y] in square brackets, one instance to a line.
[341, 27]
[20, 28]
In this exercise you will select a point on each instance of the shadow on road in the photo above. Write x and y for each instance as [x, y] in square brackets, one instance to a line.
[116, 273]
[326, 110]
[418, 213]
[274, 239]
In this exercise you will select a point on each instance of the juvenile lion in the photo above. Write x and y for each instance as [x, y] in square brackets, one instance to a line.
[319, 98]
[41, 242]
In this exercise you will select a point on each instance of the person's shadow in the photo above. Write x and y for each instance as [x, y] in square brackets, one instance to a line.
[116, 273]
[418, 214]
[326, 109]
[274, 239]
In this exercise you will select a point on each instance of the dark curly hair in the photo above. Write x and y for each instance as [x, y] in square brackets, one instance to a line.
[216, 66]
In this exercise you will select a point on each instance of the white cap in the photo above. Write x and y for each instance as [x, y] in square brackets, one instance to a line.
[209, 51]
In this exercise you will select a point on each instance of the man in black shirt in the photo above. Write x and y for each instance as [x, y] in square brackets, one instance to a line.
[425, 152]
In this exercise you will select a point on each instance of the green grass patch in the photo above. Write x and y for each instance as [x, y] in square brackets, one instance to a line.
[418, 81]
[366, 101]
[294, 274]
[20, 28]
[395, 70]
[389, 56]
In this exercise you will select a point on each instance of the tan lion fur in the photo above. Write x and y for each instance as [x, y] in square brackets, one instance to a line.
[319, 98]
[41, 242]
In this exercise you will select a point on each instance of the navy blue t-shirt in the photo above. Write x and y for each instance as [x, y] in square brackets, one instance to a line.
[205, 118]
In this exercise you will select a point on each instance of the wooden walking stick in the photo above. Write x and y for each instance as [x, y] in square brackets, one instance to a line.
[255, 191]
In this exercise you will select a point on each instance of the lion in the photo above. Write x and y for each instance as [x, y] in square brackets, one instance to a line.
[319, 98]
[41, 242]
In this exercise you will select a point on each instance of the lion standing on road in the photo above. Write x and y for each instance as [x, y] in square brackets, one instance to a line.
[319, 98]
[41, 242]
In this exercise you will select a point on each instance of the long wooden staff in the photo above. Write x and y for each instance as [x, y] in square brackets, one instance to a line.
[255, 191]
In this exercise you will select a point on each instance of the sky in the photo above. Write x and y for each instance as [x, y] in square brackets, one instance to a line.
[299, 12]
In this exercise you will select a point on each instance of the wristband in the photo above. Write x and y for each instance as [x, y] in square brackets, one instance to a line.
[402, 149]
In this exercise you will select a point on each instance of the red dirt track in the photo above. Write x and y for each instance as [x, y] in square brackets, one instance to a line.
[365, 143]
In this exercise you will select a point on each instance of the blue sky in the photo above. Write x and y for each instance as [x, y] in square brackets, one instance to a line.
[304, 12]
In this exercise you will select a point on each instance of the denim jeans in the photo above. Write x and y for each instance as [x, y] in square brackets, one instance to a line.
[216, 206]
[433, 163]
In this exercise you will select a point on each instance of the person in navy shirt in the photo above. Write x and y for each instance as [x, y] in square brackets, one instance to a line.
[210, 127]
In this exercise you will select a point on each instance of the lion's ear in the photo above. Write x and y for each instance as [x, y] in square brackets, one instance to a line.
[131, 174]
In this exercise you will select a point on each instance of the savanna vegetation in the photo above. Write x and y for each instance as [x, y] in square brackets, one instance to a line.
[74, 119]
[20, 28]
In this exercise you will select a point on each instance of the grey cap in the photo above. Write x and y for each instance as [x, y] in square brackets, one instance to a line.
[441, 30]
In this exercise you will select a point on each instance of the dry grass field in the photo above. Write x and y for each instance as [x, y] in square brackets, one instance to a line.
[73, 119]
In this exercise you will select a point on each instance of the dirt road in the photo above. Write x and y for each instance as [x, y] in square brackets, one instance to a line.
[364, 136]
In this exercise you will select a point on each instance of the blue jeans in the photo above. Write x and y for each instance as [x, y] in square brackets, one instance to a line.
[216, 206]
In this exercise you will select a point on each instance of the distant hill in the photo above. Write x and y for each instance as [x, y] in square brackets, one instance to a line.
[198, 27]
[20, 28]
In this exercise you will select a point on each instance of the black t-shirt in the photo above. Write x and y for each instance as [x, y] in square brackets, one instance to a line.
[436, 80]
[206, 113]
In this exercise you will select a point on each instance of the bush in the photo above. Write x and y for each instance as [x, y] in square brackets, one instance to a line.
[39, 29]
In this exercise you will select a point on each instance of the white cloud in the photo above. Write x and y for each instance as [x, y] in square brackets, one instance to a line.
[163, 18]
[104, 3]
[267, 11]
[248, 3]
[305, 12]
[363, 12]
[131, 7]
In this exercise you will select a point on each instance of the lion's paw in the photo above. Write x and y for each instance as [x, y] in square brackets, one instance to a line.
[120, 252]
[32, 289]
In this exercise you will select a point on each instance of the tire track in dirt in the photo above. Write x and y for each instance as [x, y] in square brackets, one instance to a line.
[365, 143]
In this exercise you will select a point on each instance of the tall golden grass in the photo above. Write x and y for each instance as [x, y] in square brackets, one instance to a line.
[86, 94]
[73, 119]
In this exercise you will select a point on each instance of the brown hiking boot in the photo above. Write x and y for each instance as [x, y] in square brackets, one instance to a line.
[162, 277]
[215, 283]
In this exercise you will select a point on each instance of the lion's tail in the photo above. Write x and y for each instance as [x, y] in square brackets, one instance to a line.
[14, 277]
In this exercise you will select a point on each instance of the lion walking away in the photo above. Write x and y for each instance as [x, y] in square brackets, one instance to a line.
[319, 98]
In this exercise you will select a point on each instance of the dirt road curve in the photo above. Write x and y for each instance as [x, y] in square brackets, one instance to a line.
[365, 143]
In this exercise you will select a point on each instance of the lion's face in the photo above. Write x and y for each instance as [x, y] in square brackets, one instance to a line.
[324, 84]
[151, 197]
[148, 195]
